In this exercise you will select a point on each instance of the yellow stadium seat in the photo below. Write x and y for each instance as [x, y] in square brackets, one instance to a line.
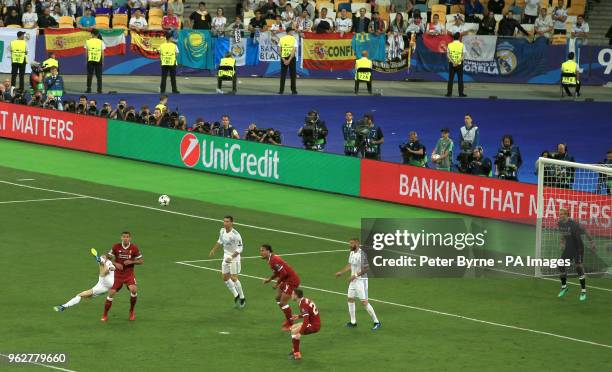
[102, 22]
[120, 20]
[576, 9]
[66, 22]
[155, 23]
[440, 10]
[156, 12]
[13, 26]
[457, 9]
[519, 3]
[559, 40]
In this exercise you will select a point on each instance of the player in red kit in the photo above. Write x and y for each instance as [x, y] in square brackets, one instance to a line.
[125, 255]
[310, 325]
[286, 282]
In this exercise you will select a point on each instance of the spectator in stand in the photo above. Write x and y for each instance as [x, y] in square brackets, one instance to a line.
[29, 19]
[580, 31]
[303, 23]
[473, 7]
[487, 24]
[323, 24]
[269, 10]
[559, 16]
[200, 19]
[415, 24]
[288, 16]
[137, 4]
[277, 26]
[442, 154]
[256, 24]
[531, 11]
[218, 23]
[46, 21]
[435, 28]
[344, 24]
[56, 13]
[479, 165]
[178, 8]
[170, 22]
[508, 26]
[398, 6]
[236, 28]
[104, 7]
[377, 25]
[12, 18]
[543, 25]
[138, 22]
[496, 6]
[457, 26]
[306, 5]
[361, 24]
[250, 5]
[398, 25]
[87, 22]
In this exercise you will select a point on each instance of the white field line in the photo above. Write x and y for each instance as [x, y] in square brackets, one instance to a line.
[431, 311]
[41, 200]
[212, 219]
[282, 255]
[39, 364]
[26, 179]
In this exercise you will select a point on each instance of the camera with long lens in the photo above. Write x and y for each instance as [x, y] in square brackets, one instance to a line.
[362, 137]
[506, 170]
[314, 132]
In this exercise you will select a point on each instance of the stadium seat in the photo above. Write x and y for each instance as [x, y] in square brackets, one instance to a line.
[498, 17]
[471, 28]
[519, 3]
[102, 22]
[558, 40]
[249, 14]
[359, 1]
[66, 22]
[270, 22]
[440, 10]
[156, 12]
[343, 4]
[155, 23]
[120, 20]
[423, 9]
[457, 9]
[325, 4]
[577, 8]
[356, 6]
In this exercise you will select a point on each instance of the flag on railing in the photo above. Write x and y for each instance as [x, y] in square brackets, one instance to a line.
[196, 49]
[332, 51]
[114, 40]
[66, 42]
[147, 43]
[374, 44]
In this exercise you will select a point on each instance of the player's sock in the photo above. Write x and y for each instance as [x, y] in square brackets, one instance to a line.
[287, 311]
[370, 311]
[133, 299]
[582, 278]
[296, 344]
[232, 288]
[238, 286]
[73, 301]
[563, 278]
[351, 306]
[107, 305]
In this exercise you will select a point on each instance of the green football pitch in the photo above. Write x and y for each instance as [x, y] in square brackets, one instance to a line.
[57, 204]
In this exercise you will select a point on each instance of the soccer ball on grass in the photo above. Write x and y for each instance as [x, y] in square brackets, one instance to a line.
[164, 200]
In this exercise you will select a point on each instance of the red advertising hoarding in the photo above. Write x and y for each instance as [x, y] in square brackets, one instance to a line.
[478, 196]
[56, 128]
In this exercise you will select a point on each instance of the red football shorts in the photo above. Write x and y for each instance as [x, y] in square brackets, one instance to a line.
[311, 328]
[120, 281]
[287, 287]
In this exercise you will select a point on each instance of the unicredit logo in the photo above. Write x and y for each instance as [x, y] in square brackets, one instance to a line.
[190, 150]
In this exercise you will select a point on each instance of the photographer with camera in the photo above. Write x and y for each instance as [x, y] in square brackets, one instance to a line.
[200, 126]
[313, 132]
[469, 139]
[36, 99]
[131, 115]
[563, 175]
[106, 110]
[349, 134]
[508, 159]
[369, 138]
[253, 134]
[92, 108]
[478, 165]
[271, 137]
[52, 102]
[413, 151]
[119, 112]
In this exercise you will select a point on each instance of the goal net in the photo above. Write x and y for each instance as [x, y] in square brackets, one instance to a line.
[585, 190]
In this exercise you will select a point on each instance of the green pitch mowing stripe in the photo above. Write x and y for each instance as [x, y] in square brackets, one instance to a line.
[283, 200]
[185, 316]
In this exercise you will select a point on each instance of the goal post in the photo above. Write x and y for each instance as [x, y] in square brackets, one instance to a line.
[585, 190]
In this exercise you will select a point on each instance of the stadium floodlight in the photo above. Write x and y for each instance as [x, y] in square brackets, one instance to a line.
[585, 190]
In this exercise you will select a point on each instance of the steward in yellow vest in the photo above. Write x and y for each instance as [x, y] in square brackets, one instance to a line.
[363, 72]
[570, 75]
[288, 49]
[168, 52]
[49, 63]
[19, 59]
[227, 71]
[454, 53]
[95, 56]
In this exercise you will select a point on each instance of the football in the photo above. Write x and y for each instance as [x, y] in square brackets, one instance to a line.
[433, 157]
[164, 200]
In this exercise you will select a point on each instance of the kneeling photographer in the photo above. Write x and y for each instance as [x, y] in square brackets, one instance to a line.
[269, 135]
[413, 151]
[477, 164]
[369, 138]
[314, 132]
[508, 159]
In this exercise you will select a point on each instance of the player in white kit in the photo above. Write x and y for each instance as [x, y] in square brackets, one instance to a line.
[105, 282]
[358, 283]
[231, 241]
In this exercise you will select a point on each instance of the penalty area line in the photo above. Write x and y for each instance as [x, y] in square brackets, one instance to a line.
[431, 311]
[41, 200]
